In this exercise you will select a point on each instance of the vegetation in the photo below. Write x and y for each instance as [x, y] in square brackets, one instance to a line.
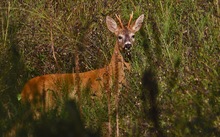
[174, 85]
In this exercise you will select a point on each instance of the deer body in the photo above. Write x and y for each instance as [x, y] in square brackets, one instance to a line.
[40, 89]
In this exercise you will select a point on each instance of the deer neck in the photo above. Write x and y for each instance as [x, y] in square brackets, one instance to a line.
[117, 61]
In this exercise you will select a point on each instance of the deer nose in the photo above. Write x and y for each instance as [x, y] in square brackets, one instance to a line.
[128, 46]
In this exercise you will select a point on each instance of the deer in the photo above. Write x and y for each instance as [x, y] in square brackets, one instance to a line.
[39, 90]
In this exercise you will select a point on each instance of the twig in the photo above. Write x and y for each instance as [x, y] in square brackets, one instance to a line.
[107, 86]
[117, 93]
[52, 43]
[78, 90]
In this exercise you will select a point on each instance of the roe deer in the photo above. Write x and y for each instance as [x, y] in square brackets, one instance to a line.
[39, 90]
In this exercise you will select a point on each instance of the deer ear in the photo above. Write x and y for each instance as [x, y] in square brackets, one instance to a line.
[138, 23]
[111, 24]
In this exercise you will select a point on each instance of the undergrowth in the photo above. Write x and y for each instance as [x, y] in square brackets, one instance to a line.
[173, 85]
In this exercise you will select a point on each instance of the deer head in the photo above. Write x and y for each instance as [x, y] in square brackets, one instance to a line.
[125, 34]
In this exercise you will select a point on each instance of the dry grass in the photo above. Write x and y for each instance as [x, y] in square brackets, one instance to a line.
[178, 47]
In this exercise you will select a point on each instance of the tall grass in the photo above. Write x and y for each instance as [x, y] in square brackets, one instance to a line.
[174, 83]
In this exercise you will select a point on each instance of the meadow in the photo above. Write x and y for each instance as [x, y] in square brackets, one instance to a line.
[174, 83]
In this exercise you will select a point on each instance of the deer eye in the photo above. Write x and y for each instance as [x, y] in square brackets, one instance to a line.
[119, 37]
[132, 36]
